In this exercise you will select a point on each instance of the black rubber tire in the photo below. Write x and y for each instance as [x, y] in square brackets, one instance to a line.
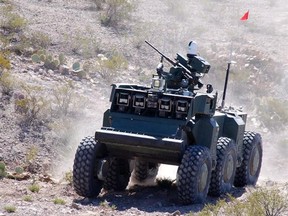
[190, 176]
[144, 170]
[222, 177]
[118, 175]
[248, 172]
[85, 180]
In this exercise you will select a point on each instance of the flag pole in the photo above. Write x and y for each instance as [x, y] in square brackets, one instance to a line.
[243, 18]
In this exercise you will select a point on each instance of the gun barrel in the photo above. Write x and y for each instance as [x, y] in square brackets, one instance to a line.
[167, 58]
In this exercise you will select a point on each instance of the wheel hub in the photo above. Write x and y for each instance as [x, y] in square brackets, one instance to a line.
[228, 168]
[254, 162]
[203, 177]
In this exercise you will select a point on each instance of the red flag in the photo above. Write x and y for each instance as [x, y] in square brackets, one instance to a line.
[245, 16]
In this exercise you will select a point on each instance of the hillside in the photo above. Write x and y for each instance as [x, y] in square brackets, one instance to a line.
[62, 106]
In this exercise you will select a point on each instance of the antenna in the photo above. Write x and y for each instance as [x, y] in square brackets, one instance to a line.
[225, 85]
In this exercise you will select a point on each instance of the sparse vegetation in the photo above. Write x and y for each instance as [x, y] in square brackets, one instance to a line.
[108, 67]
[106, 204]
[87, 46]
[40, 40]
[4, 62]
[27, 198]
[48, 60]
[59, 201]
[63, 96]
[116, 12]
[31, 154]
[69, 177]
[34, 188]
[6, 83]
[269, 202]
[12, 22]
[10, 208]
[2, 170]
[31, 103]
[19, 170]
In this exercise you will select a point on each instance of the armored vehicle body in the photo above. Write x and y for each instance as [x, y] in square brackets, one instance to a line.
[173, 121]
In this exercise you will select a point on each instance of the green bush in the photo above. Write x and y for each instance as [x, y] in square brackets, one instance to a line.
[10, 208]
[2, 170]
[27, 198]
[6, 83]
[31, 154]
[69, 177]
[59, 201]
[4, 62]
[34, 188]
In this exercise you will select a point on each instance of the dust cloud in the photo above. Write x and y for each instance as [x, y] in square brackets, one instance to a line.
[88, 121]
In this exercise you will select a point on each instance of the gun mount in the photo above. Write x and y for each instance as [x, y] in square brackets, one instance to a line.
[184, 73]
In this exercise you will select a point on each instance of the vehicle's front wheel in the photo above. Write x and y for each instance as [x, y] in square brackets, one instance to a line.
[222, 178]
[86, 163]
[193, 175]
[248, 172]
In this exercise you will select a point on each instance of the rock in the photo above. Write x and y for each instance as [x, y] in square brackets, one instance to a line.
[76, 206]
[41, 71]
[50, 72]
[63, 69]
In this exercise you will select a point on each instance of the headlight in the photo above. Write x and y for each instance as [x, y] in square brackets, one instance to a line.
[123, 99]
[165, 104]
[139, 101]
[181, 106]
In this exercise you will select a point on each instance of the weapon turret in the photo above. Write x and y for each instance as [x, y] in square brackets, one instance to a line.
[184, 73]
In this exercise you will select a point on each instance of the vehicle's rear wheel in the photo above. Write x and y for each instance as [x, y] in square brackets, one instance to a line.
[86, 163]
[248, 172]
[118, 175]
[222, 178]
[193, 175]
[144, 170]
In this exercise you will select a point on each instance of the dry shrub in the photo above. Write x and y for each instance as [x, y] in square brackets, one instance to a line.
[31, 103]
[268, 202]
[116, 12]
[12, 22]
[6, 84]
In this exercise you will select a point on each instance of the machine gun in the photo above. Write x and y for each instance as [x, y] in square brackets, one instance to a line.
[192, 72]
[186, 72]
